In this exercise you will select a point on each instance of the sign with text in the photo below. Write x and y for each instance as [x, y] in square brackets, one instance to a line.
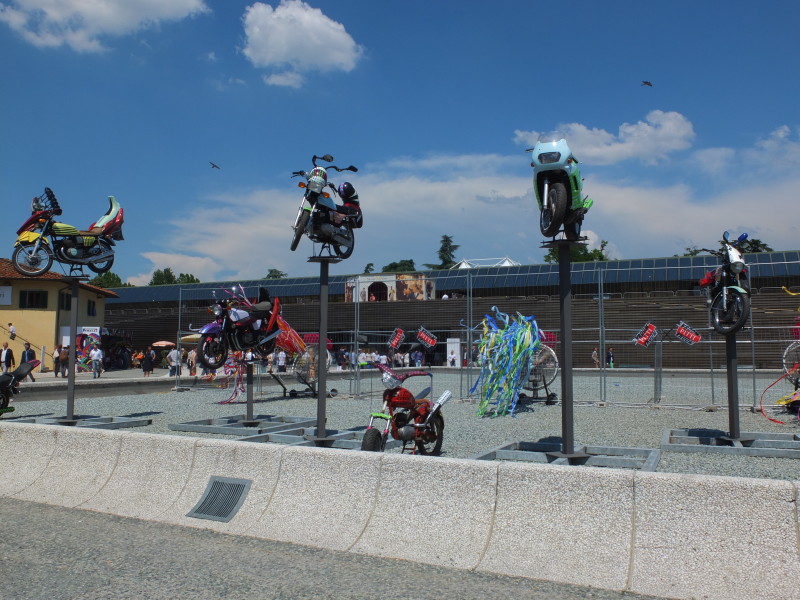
[397, 338]
[686, 334]
[646, 335]
[426, 338]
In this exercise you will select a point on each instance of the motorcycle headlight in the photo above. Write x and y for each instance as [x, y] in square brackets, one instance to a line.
[316, 184]
[737, 266]
[216, 310]
[547, 158]
[389, 381]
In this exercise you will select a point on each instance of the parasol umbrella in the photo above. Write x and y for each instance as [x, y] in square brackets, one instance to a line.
[162, 344]
[313, 338]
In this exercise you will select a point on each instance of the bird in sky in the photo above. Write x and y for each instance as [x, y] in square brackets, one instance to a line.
[213, 166]
[647, 83]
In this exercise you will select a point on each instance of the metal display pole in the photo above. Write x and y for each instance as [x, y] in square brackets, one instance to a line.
[73, 338]
[565, 306]
[732, 366]
[321, 438]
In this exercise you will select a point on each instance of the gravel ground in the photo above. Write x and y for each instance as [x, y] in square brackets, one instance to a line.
[637, 424]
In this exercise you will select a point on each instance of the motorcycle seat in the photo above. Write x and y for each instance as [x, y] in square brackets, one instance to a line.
[114, 208]
[69, 230]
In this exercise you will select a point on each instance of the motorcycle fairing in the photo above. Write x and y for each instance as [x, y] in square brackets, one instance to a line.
[30, 237]
[326, 202]
[739, 289]
[212, 328]
[33, 220]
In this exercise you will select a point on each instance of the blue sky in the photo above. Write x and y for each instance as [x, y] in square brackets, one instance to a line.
[434, 101]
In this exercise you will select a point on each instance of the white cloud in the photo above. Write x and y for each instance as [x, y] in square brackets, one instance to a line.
[80, 24]
[649, 141]
[295, 38]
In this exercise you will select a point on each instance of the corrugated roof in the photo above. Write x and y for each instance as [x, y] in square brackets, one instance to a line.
[675, 268]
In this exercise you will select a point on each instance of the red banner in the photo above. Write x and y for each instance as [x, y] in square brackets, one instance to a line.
[426, 338]
[646, 335]
[686, 334]
[397, 338]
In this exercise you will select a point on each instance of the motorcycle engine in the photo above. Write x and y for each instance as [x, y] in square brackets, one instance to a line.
[245, 337]
[400, 427]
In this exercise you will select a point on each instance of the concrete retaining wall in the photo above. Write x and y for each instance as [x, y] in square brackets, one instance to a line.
[680, 536]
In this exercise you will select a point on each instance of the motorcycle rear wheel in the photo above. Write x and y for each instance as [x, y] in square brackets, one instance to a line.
[344, 250]
[554, 207]
[572, 231]
[299, 228]
[4, 400]
[212, 351]
[372, 441]
[791, 357]
[544, 368]
[32, 264]
[434, 447]
[730, 318]
[104, 266]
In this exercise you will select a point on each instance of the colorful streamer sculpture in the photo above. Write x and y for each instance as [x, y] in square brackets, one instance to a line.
[505, 354]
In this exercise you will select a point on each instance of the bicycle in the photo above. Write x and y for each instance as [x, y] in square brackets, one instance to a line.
[791, 356]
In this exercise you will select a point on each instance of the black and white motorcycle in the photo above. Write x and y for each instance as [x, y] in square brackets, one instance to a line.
[728, 287]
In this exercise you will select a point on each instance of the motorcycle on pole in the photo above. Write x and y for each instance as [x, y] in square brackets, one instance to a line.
[728, 287]
[319, 217]
[410, 419]
[9, 384]
[41, 239]
[239, 325]
[558, 186]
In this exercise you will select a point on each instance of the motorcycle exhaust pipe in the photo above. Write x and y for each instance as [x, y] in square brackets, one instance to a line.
[443, 399]
[333, 233]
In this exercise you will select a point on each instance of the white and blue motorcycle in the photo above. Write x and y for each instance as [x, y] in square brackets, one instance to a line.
[559, 187]
[319, 217]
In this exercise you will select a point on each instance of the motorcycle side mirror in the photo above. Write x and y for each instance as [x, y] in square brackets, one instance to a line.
[742, 238]
[327, 158]
[352, 168]
[726, 236]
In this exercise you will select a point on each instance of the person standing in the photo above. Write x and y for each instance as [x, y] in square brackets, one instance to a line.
[7, 357]
[147, 361]
[28, 355]
[281, 361]
[174, 361]
[64, 361]
[596, 358]
[96, 355]
[452, 358]
[610, 358]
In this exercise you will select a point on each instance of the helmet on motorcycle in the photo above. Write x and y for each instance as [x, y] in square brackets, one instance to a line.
[347, 192]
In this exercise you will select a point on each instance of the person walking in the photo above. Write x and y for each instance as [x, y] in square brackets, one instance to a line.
[610, 358]
[57, 360]
[28, 355]
[147, 361]
[596, 358]
[7, 357]
[63, 361]
[96, 355]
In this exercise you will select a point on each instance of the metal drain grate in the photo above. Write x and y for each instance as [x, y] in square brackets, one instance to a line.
[222, 499]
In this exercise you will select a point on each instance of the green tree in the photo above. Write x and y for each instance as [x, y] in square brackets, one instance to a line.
[401, 266]
[108, 280]
[754, 245]
[579, 253]
[187, 278]
[447, 254]
[690, 251]
[163, 277]
[369, 268]
[275, 274]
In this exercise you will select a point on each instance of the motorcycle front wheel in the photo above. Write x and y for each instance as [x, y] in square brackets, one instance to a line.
[4, 400]
[32, 263]
[103, 266]
[372, 440]
[791, 357]
[553, 209]
[299, 227]
[731, 316]
[212, 351]
[435, 435]
[345, 250]
[544, 368]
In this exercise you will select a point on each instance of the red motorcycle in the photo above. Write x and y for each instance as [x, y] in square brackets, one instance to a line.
[412, 420]
[42, 239]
